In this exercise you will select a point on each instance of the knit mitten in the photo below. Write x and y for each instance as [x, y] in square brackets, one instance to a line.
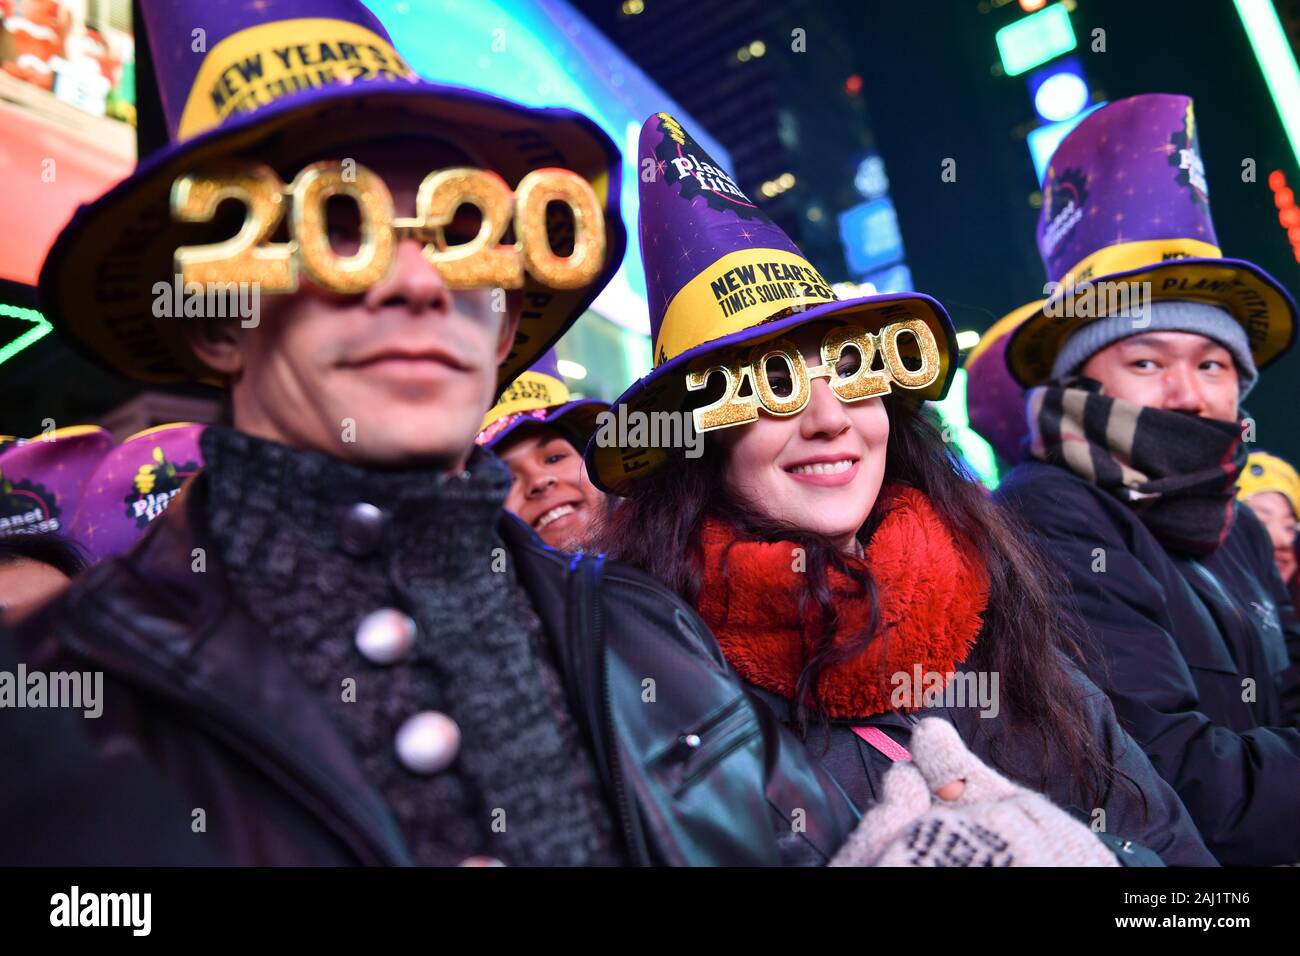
[991, 822]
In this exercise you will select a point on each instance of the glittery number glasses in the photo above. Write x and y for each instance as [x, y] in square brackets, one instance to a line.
[481, 262]
[852, 378]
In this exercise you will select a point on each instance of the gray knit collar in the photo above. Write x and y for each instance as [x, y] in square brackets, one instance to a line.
[479, 655]
[255, 484]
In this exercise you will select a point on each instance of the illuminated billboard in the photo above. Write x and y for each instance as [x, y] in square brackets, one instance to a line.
[67, 113]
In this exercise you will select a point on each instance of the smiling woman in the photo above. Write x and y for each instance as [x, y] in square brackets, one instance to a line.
[833, 542]
[820, 470]
[833, 550]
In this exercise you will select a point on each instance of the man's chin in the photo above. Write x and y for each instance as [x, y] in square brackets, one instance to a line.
[416, 448]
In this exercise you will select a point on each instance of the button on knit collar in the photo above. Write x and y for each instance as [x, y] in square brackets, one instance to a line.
[361, 529]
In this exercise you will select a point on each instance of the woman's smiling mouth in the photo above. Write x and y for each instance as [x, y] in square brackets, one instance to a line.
[825, 470]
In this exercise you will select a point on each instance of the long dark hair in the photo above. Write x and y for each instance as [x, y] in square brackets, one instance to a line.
[1028, 638]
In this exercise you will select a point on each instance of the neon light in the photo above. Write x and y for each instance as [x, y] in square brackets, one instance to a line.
[570, 369]
[1277, 63]
[1035, 39]
[1288, 214]
[1061, 96]
[41, 328]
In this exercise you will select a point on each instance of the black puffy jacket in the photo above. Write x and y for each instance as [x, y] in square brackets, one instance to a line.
[202, 712]
[1201, 658]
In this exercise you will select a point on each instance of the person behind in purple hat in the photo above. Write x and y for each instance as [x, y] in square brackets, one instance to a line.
[855, 575]
[995, 402]
[335, 640]
[1136, 367]
[43, 481]
[540, 435]
[551, 492]
[133, 485]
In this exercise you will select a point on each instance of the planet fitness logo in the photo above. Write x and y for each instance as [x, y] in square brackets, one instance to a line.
[27, 508]
[154, 486]
[1185, 156]
[1063, 202]
[685, 164]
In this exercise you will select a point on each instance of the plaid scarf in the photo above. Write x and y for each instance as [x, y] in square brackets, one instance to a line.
[1176, 470]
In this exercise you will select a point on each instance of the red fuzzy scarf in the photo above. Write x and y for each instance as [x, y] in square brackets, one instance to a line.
[932, 591]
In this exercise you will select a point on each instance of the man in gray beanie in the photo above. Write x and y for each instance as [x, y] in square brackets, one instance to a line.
[1136, 440]
[1088, 350]
[1135, 445]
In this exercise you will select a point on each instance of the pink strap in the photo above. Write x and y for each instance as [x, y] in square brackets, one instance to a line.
[881, 741]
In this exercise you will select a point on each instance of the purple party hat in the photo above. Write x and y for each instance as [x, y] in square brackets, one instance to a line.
[995, 402]
[274, 79]
[42, 480]
[133, 485]
[720, 273]
[540, 397]
[1126, 209]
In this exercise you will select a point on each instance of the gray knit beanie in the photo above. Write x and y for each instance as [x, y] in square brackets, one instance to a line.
[1166, 315]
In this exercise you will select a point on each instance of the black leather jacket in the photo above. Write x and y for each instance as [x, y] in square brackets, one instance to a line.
[196, 698]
